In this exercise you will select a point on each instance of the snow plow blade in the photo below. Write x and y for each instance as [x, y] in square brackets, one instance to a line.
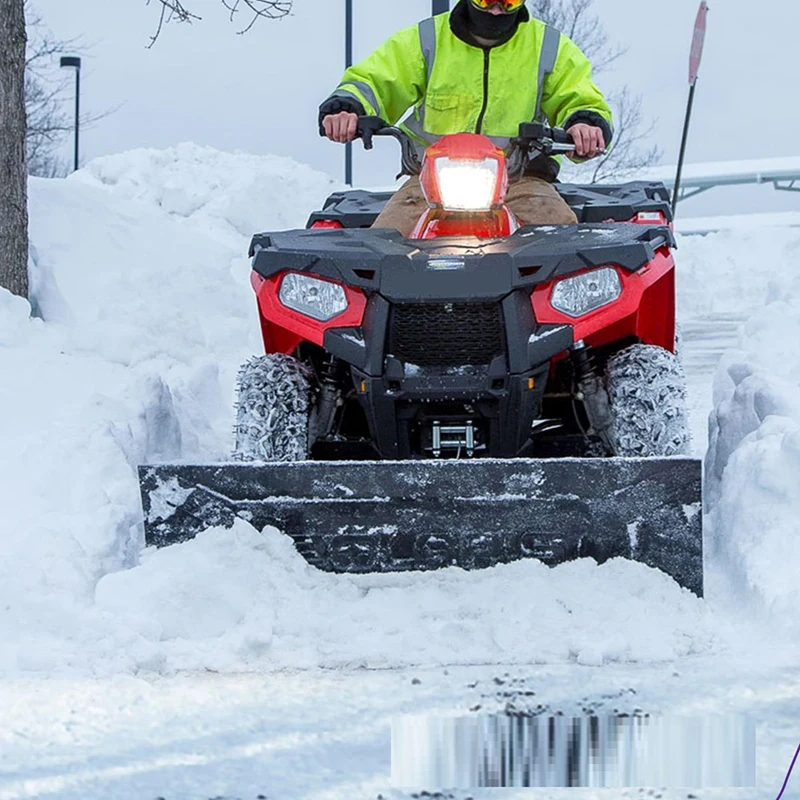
[390, 516]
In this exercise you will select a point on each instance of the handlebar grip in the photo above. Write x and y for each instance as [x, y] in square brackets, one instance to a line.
[560, 136]
[538, 131]
[367, 128]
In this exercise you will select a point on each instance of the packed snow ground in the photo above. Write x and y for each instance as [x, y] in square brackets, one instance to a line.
[141, 277]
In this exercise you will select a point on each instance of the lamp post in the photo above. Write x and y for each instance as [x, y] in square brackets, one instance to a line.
[74, 61]
[348, 59]
[437, 7]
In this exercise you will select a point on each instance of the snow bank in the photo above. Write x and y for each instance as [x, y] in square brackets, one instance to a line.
[147, 314]
[140, 275]
[752, 471]
[736, 271]
[753, 461]
[222, 192]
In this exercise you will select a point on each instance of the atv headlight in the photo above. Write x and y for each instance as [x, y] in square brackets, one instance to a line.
[584, 293]
[321, 300]
[467, 185]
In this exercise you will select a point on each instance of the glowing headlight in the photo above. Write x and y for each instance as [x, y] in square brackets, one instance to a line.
[321, 300]
[584, 293]
[466, 185]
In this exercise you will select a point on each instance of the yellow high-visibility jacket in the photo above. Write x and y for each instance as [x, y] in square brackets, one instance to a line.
[451, 86]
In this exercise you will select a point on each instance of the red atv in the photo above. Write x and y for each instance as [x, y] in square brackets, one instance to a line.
[420, 398]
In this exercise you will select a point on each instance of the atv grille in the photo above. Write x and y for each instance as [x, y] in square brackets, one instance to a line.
[446, 334]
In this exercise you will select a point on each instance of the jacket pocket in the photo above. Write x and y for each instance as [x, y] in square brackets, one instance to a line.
[439, 101]
[447, 113]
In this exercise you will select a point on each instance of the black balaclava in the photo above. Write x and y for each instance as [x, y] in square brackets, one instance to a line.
[490, 26]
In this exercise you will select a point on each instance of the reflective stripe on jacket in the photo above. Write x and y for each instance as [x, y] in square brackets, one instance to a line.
[454, 87]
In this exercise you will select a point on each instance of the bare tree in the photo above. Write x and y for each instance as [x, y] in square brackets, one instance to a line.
[45, 97]
[576, 20]
[13, 177]
[180, 11]
[630, 151]
[47, 94]
[47, 121]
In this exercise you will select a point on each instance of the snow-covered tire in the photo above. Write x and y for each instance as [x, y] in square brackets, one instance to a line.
[272, 410]
[647, 393]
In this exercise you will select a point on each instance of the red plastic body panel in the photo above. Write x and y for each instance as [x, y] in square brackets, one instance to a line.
[491, 225]
[283, 329]
[645, 309]
[462, 147]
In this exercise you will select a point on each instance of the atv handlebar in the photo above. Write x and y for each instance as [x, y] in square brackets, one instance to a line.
[539, 137]
[369, 127]
[532, 136]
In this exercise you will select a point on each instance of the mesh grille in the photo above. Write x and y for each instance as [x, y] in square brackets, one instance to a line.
[446, 334]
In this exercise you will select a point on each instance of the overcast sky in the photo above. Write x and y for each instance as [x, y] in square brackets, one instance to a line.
[259, 93]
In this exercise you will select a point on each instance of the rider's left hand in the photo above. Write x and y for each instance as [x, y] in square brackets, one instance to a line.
[589, 141]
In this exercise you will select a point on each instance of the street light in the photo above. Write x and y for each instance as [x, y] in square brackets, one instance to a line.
[74, 61]
[348, 61]
[437, 7]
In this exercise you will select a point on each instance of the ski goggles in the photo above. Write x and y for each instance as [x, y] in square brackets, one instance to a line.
[507, 5]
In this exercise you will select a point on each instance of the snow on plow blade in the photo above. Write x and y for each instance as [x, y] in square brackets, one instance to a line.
[390, 516]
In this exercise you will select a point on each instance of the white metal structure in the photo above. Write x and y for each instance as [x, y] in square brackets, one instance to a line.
[782, 173]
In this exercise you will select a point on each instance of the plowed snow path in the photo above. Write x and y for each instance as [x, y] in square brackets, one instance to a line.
[140, 271]
[705, 339]
[327, 734]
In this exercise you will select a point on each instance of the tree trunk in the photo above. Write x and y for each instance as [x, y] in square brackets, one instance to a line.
[13, 175]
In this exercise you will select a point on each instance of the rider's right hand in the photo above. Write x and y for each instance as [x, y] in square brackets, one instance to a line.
[340, 127]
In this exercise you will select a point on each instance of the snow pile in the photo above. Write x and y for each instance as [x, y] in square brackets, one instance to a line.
[735, 271]
[223, 192]
[147, 317]
[231, 599]
[753, 461]
[140, 273]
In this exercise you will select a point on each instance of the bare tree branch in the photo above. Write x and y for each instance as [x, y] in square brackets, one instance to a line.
[629, 152]
[574, 18]
[179, 11]
[269, 9]
[171, 9]
[47, 98]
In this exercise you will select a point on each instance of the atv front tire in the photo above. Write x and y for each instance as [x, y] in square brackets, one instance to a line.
[272, 410]
[647, 391]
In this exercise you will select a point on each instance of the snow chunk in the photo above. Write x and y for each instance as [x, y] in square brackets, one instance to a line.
[238, 597]
[753, 460]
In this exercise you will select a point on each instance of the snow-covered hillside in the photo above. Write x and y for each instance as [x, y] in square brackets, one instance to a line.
[144, 313]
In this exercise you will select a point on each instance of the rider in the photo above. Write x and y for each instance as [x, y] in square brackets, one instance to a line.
[484, 67]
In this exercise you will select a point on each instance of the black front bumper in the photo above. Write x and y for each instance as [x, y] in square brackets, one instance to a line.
[449, 328]
[500, 387]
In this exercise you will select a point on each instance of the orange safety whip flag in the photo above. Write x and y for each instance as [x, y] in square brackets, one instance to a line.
[695, 57]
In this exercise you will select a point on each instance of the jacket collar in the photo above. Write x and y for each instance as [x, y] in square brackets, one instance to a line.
[460, 25]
